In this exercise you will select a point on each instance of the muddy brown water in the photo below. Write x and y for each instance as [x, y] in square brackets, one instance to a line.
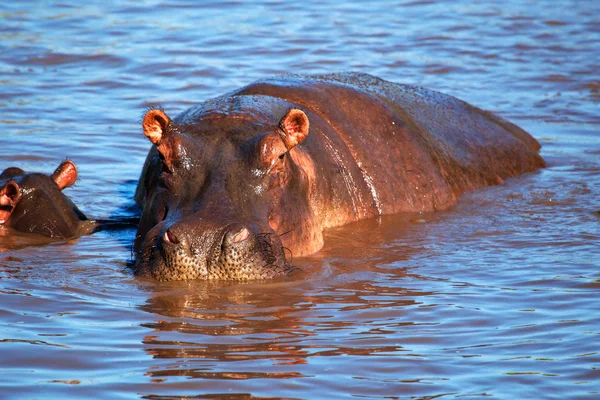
[496, 297]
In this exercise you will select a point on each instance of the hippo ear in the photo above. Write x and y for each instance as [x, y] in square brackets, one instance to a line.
[156, 125]
[9, 197]
[65, 175]
[295, 128]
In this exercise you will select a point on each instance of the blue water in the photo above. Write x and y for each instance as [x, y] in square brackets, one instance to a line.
[497, 297]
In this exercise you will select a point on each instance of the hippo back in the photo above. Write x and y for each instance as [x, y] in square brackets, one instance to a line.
[394, 147]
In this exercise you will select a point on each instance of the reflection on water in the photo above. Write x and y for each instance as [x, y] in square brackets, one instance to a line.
[495, 297]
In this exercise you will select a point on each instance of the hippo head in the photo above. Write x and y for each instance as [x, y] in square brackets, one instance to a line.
[34, 202]
[224, 197]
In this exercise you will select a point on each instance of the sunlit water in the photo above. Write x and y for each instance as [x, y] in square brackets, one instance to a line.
[496, 297]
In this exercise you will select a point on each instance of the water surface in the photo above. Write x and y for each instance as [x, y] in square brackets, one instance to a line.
[496, 297]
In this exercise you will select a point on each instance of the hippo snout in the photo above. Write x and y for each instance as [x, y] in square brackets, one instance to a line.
[237, 252]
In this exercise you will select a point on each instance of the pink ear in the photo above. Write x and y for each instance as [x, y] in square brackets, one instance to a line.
[295, 128]
[156, 124]
[65, 175]
[9, 197]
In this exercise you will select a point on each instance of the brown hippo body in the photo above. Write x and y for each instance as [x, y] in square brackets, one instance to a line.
[234, 183]
[34, 202]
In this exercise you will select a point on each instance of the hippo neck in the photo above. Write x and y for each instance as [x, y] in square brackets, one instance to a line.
[355, 146]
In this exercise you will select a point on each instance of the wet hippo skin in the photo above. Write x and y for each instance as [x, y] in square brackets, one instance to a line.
[233, 187]
[34, 202]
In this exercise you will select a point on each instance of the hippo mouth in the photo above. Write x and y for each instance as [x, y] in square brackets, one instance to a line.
[236, 253]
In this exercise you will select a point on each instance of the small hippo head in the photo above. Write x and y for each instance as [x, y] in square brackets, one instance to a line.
[34, 202]
[224, 197]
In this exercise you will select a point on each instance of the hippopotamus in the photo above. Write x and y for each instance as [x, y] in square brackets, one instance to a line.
[34, 202]
[237, 185]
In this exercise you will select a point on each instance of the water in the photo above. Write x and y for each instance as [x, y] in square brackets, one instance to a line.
[496, 297]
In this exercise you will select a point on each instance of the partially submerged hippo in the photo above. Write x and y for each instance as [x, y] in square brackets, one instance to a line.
[34, 202]
[233, 185]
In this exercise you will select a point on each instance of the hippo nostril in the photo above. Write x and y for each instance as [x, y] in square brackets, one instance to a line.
[237, 236]
[170, 237]
[241, 235]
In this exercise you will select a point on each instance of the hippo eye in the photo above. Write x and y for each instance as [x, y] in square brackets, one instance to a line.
[163, 164]
[281, 157]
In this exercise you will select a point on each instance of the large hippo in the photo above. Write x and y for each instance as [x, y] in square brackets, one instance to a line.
[35, 203]
[234, 186]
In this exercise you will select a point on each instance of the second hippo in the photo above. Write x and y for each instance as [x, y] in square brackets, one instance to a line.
[34, 202]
